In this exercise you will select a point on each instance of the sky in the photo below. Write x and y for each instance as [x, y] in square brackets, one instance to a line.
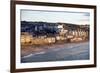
[80, 18]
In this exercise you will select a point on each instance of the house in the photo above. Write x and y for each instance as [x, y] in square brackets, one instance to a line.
[26, 38]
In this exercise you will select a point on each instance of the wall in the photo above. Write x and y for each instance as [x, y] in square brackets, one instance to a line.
[5, 37]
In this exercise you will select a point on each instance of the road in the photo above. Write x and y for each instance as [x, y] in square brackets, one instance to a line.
[77, 51]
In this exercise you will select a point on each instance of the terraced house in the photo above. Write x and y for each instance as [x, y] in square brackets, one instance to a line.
[40, 33]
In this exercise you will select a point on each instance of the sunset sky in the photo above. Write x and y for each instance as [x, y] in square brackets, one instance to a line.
[56, 16]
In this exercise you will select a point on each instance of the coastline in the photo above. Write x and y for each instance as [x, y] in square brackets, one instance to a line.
[29, 50]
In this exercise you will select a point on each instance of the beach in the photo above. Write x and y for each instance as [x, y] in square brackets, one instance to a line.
[56, 52]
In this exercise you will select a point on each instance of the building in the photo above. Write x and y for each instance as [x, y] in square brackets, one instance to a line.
[43, 32]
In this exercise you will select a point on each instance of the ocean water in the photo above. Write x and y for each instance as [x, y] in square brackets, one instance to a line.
[79, 51]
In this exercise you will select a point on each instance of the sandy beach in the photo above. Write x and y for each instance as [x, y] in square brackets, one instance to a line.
[31, 49]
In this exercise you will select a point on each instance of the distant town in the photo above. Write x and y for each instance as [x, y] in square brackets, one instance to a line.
[44, 33]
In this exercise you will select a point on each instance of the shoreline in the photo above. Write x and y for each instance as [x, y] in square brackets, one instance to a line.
[28, 50]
